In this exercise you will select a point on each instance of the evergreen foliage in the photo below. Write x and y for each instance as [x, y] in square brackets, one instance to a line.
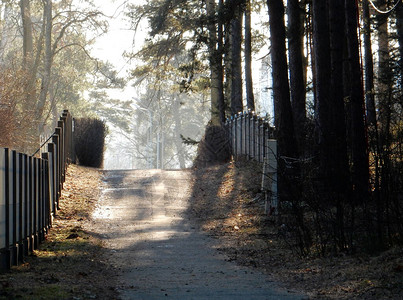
[89, 140]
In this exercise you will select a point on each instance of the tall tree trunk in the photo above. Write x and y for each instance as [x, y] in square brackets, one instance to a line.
[236, 58]
[328, 53]
[48, 61]
[250, 100]
[322, 75]
[385, 74]
[5, 32]
[296, 65]
[217, 96]
[384, 100]
[399, 21]
[27, 37]
[369, 67]
[219, 59]
[289, 185]
[360, 165]
[283, 120]
[225, 15]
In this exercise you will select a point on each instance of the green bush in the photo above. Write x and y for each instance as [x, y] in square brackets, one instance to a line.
[89, 140]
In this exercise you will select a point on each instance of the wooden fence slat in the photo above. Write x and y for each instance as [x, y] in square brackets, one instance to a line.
[4, 254]
[30, 189]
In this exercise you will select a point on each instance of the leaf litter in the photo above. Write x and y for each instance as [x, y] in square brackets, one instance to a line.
[226, 203]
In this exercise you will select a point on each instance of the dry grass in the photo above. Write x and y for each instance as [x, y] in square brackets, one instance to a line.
[224, 203]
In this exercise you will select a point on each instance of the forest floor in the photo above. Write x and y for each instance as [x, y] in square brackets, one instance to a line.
[72, 263]
[225, 203]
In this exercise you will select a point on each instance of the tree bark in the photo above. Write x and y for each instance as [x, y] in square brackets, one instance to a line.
[336, 151]
[399, 24]
[360, 164]
[5, 32]
[216, 79]
[236, 58]
[296, 65]
[384, 77]
[283, 120]
[48, 60]
[328, 54]
[27, 38]
[250, 100]
[369, 67]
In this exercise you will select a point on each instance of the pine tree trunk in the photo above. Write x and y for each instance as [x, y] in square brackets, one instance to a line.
[215, 58]
[399, 25]
[236, 59]
[297, 80]
[283, 120]
[248, 58]
[321, 52]
[360, 165]
[369, 67]
[27, 38]
[48, 61]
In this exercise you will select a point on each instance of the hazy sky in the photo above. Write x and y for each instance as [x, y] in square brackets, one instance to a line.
[119, 38]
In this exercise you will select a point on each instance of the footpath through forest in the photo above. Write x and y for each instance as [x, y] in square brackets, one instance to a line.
[184, 234]
[158, 250]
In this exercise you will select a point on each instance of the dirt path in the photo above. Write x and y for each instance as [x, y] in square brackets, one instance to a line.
[142, 217]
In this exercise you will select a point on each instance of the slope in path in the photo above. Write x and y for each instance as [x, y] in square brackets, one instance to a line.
[142, 215]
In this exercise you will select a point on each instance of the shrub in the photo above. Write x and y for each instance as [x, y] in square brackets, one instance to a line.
[89, 139]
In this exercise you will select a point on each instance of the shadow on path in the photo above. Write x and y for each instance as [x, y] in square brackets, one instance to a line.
[143, 216]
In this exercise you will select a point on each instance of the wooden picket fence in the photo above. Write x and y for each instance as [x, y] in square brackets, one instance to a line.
[252, 137]
[30, 188]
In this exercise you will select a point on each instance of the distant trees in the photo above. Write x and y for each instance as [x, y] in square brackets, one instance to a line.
[37, 39]
[214, 27]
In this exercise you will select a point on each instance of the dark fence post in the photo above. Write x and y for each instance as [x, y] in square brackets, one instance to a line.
[13, 207]
[41, 233]
[36, 203]
[25, 201]
[52, 180]
[30, 203]
[62, 152]
[73, 147]
[20, 199]
[47, 211]
[5, 261]
[56, 141]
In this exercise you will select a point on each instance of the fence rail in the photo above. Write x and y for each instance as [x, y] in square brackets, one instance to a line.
[30, 188]
[252, 137]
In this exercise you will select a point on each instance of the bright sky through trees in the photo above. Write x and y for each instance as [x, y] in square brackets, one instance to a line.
[111, 47]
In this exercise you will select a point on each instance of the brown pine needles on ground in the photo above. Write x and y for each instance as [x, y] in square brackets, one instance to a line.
[224, 203]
